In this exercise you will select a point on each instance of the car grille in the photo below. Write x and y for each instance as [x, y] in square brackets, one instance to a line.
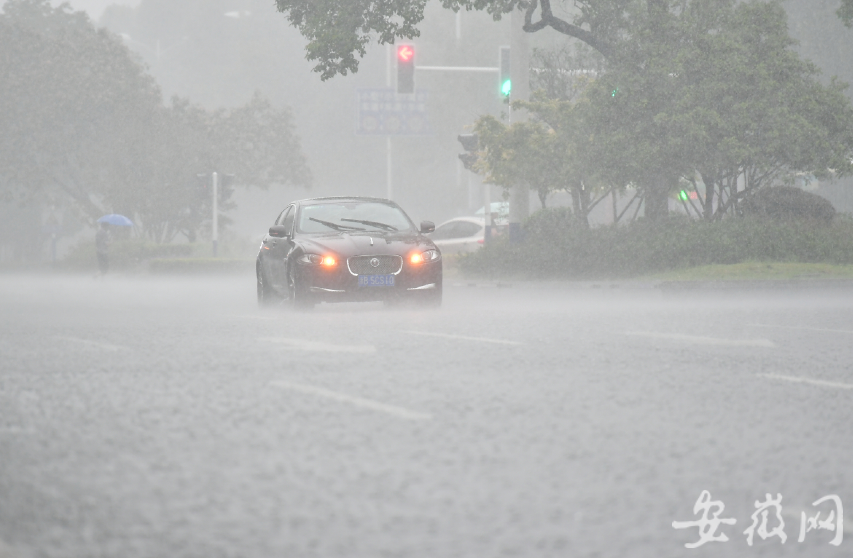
[360, 265]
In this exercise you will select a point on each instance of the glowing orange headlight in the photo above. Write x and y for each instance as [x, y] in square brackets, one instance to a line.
[328, 261]
[416, 259]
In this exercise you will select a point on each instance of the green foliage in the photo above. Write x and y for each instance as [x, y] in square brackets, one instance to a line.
[524, 153]
[710, 93]
[556, 247]
[338, 31]
[845, 12]
[787, 203]
[83, 124]
[71, 99]
[718, 92]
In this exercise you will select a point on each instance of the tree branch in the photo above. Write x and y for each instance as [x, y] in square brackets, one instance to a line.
[561, 26]
[593, 204]
[630, 203]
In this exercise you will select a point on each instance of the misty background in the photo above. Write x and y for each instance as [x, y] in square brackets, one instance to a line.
[219, 53]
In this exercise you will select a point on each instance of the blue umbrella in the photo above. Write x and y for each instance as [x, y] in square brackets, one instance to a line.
[117, 220]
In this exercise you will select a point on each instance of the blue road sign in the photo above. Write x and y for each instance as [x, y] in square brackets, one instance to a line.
[383, 112]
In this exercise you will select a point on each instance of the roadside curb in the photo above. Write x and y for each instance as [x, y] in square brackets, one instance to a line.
[754, 284]
[665, 286]
[562, 285]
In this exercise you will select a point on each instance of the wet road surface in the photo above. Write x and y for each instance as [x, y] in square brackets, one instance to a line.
[151, 417]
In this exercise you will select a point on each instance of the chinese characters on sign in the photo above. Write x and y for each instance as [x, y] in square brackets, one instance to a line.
[767, 520]
[382, 112]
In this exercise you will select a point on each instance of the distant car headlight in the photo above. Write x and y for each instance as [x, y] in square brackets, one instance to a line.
[316, 259]
[422, 257]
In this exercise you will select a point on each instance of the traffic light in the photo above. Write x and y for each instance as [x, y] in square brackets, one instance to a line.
[505, 81]
[405, 69]
[470, 143]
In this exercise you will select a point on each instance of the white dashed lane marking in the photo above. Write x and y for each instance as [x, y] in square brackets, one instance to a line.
[93, 344]
[305, 345]
[700, 340]
[802, 380]
[464, 338]
[398, 412]
[805, 328]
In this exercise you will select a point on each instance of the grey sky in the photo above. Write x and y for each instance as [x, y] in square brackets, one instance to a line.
[94, 7]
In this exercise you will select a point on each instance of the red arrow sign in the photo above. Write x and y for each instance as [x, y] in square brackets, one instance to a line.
[405, 53]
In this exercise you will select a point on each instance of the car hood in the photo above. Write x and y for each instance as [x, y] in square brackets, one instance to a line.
[346, 244]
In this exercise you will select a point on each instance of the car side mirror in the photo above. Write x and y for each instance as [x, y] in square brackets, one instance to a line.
[278, 231]
[427, 226]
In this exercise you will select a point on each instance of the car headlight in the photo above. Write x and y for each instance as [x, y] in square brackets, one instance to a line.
[316, 259]
[424, 257]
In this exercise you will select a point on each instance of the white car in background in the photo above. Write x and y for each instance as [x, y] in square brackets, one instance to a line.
[459, 235]
[499, 210]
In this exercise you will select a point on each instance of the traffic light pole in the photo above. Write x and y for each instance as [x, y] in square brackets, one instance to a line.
[519, 202]
[389, 185]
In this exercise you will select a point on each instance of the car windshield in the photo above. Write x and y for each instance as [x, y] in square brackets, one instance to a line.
[352, 217]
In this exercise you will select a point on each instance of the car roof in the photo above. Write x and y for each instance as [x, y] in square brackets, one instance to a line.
[343, 199]
[466, 219]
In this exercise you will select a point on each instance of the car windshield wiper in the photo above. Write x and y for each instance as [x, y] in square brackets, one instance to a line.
[376, 224]
[335, 225]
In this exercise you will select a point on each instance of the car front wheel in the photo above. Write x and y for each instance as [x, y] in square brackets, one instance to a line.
[298, 297]
[266, 297]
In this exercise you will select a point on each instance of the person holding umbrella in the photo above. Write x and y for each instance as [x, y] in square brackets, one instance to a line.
[103, 238]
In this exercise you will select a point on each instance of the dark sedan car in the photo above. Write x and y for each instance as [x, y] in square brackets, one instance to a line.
[347, 249]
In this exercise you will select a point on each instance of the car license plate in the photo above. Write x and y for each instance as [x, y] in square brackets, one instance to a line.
[375, 280]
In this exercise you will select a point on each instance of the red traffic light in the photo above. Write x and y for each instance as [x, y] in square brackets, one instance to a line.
[405, 53]
[406, 69]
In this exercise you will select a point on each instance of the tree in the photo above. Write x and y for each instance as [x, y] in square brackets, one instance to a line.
[260, 146]
[339, 30]
[732, 100]
[520, 154]
[80, 120]
[545, 154]
[669, 102]
[715, 98]
[71, 97]
[255, 144]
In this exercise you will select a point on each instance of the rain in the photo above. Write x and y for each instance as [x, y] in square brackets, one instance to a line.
[467, 291]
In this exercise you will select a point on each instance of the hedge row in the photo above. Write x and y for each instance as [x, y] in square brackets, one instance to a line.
[555, 246]
[200, 265]
[124, 254]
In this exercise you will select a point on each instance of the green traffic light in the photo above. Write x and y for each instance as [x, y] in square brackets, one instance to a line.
[682, 195]
[506, 87]
[615, 91]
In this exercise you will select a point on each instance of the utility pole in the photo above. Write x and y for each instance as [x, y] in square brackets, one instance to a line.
[519, 202]
[215, 224]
